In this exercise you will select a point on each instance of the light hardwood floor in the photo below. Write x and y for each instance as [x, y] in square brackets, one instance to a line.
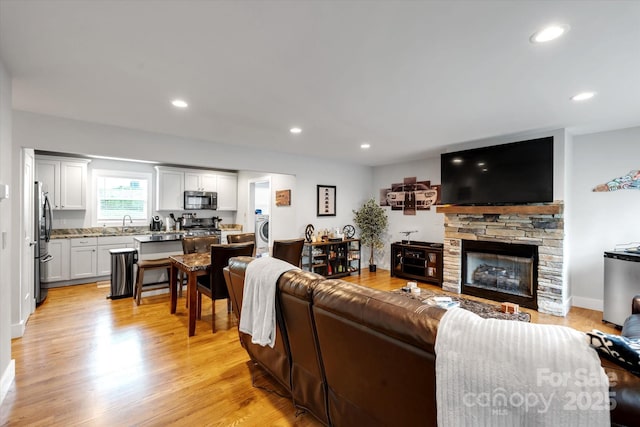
[87, 360]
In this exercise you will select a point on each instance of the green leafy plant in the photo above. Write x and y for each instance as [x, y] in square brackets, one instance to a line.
[372, 221]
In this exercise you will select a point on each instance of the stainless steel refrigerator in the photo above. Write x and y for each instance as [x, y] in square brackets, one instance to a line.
[621, 284]
[42, 234]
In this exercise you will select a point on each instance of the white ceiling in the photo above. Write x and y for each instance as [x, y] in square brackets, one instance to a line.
[409, 77]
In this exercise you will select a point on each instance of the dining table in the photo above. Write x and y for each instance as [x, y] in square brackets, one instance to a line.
[192, 265]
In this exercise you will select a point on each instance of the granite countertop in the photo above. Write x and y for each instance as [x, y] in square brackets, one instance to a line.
[157, 237]
[193, 262]
[70, 233]
[230, 227]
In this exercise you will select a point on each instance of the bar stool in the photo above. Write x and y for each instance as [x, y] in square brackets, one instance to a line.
[150, 264]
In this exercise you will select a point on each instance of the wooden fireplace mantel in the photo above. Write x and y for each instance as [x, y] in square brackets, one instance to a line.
[549, 209]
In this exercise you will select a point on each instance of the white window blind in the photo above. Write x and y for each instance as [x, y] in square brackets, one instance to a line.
[118, 195]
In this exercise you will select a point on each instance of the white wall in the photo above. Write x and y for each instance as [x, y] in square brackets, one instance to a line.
[429, 224]
[7, 266]
[598, 222]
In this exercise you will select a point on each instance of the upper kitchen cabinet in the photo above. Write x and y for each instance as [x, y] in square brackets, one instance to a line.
[65, 180]
[171, 183]
[227, 192]
[169, 189]
[200, 181]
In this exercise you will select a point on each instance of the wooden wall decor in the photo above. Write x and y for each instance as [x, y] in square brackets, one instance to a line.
[630, 181]
[410, 196]
[283, 197]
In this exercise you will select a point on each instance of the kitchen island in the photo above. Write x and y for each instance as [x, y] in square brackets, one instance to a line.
[156, 246]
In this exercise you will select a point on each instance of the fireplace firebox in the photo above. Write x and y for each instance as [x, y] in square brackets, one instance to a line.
[500, 271]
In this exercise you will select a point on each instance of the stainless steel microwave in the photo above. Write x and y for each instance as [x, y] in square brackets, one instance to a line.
[200, 200]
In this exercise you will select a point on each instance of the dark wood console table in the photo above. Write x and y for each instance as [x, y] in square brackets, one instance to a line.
[417, 260]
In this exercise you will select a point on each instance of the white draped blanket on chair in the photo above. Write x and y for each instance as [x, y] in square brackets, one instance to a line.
[258, 317]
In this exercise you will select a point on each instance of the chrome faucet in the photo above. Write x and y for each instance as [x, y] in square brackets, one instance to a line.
[130, 222]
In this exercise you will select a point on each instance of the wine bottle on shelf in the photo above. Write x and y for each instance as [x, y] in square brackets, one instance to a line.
[329, 271]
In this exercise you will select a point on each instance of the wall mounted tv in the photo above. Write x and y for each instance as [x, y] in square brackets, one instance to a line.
[515, 173]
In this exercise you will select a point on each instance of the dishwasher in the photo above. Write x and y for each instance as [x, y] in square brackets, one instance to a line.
[122, 262]
[621, 284]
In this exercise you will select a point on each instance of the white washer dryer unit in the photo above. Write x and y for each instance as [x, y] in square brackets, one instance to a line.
[262, 234]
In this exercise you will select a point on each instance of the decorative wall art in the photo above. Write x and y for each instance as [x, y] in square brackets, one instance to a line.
[283, 197]
[326, 200]
[630, 181]
[410, 196]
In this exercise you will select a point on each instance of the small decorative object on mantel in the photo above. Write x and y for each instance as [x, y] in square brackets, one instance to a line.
[308, 232]
[630, 181]
[283, 197]
[372, 221]
[326, 200]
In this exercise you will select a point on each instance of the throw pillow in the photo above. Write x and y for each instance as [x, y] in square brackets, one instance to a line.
[620, 350]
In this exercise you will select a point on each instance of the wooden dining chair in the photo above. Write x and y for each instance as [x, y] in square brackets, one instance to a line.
[198, 244]
[195, 244]
[289, 250]
[214, 285]
[241, 238]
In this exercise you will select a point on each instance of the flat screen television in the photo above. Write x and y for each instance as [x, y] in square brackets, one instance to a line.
[515, 173]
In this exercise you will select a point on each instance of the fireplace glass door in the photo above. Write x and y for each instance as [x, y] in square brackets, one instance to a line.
[504, 273]
[500, 271]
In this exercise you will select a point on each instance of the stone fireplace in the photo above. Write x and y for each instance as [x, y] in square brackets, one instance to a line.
[538, 226]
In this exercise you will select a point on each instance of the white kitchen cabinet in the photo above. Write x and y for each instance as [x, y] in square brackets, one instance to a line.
[172, 182]
[169, 189]
[58, 268]
[48, 172]
[84, 258]
[73, 185]
[105, 244]
[200, 181]
[227, 192]
[65, 181]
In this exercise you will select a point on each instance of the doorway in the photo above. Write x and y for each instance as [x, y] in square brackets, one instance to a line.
[259, 211]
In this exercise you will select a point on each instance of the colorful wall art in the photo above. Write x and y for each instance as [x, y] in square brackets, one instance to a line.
[410, 196]
[630, 181]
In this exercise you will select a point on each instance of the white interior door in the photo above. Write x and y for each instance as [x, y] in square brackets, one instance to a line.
[27, 224]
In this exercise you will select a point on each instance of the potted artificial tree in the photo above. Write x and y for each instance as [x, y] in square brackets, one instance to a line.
[372, 221]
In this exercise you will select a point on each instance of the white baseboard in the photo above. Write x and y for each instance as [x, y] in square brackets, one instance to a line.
[590, 303]
[17, 329]
[7, 378]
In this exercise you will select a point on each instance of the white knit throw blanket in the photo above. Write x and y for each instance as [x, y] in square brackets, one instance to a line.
[258, 316]
[499, 373]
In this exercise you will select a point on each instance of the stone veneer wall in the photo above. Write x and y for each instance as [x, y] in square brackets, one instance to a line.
[543, 230]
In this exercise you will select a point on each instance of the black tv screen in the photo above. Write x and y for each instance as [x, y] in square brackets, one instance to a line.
[515, 173]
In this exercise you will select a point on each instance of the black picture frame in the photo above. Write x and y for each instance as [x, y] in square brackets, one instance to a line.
[326, 200]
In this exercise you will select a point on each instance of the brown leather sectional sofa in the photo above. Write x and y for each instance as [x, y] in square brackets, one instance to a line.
[352, 355]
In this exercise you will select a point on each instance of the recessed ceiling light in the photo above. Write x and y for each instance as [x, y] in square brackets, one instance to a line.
[179, 103]
[549, 33]
[583, 96]
[295, 130]
[365, 146]
[456, 160]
